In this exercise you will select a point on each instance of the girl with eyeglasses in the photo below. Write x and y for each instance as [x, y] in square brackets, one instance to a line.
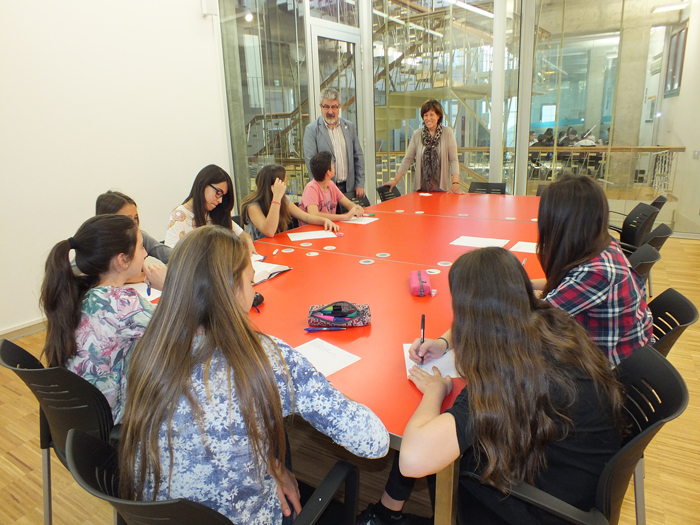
[93, 321]
[208, 394]
[268, 211]
[210, 202]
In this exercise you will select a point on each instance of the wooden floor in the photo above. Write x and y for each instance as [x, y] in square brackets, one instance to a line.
[672, 460]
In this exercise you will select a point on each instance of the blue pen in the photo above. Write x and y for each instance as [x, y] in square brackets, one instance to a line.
[148, 288]
[322, 329]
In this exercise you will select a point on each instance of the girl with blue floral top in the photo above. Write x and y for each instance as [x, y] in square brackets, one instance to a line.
[93, 322]
[207, 394]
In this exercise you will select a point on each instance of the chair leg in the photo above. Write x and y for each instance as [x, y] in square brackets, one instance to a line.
[46, 482]
[650, 294]
[639, 506]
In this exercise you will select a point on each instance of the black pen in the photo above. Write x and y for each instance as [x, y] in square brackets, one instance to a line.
[422, 336]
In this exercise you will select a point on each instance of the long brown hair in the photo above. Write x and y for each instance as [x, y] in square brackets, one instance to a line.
[572, 226]
[204, 273]
[516, 350]
[96, 243]
[221, 215]
[262, 196]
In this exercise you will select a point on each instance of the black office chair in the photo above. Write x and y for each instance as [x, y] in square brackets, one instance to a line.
[643, 259]
[637, 224]
[656, 239]
[364, 202]
[237, 220]
[659, 202]
[493, 188]
[386, 194]
[672, 313]
[66, 401]
[540, 189]
[656, 394]
[94, 466]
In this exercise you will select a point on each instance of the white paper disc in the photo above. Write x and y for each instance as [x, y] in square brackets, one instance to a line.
[311, 254]
[383, 255]
[419, 212]
[432, 271]
[444, 263]
[329, 247]
[399, 211]
[510, 218]
[534, 220]
[463, 214]
[305, 244]
[288, 250]
[366, 261]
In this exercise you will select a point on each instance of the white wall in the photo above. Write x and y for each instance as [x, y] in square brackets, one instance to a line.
[94, 96]
[680, 125]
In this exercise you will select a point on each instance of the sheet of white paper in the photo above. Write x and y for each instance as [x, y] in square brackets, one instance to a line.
[142, 288]
[425, 194]
[446, 363]
[305, 236]
[326, 357]
[256, 257]
[479, 242]
[524, 247]
[361, 220]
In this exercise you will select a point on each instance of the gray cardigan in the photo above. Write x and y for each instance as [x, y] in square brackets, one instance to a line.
[449, 164]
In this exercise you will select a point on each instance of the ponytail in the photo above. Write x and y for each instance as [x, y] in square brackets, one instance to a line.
[96, 243]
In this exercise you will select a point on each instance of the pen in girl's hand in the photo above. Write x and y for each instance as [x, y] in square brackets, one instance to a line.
[422, 336]
[321, 329]
[148, 288]
[368, 214]
[524, 261]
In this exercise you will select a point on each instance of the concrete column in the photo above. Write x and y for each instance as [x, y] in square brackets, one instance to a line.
[594, 90]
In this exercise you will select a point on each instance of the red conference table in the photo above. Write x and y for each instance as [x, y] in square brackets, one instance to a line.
[414, 242]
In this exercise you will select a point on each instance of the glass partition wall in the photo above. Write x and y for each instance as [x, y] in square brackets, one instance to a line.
[609, 70]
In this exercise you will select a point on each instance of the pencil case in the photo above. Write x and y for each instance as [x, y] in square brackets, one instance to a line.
[419, 282]
[339, 313]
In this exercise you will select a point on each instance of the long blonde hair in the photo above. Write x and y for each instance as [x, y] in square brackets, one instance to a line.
[204, 274]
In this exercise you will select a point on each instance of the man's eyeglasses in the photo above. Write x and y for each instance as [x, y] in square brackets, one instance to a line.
[326, 107]
[219, 191]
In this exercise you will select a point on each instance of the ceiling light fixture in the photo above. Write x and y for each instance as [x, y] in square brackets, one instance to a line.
[471, 8]
[670, 7]
[248, 15]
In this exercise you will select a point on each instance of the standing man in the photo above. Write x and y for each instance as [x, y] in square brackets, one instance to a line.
[338, 136]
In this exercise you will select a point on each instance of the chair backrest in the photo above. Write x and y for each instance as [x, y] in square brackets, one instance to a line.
[540, 189]
[360, 201]
[386, 194]
[643, 259]
[237, 220]
[94, 466]
[659, 202]
[672, 313]
[494, 188]
[67, 400]
[656, 394]
[638, 224]
[658, 236]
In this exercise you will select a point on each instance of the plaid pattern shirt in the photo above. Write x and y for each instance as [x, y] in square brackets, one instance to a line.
[608, 299]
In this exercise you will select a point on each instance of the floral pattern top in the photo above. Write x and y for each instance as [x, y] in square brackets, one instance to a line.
[113, 319]
[182, 222]
[212, 462]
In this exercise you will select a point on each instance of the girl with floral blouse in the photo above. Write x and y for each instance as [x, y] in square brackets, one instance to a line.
[207, 394]
[93, 322]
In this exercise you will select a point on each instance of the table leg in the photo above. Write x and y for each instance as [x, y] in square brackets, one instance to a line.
[446, 494]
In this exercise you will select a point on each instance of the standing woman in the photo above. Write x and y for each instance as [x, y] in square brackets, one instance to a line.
[587, 275]
[210, 202]
[541, 404]
[434, 149]
[208, 394]
[268, 210]
[93, 322]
